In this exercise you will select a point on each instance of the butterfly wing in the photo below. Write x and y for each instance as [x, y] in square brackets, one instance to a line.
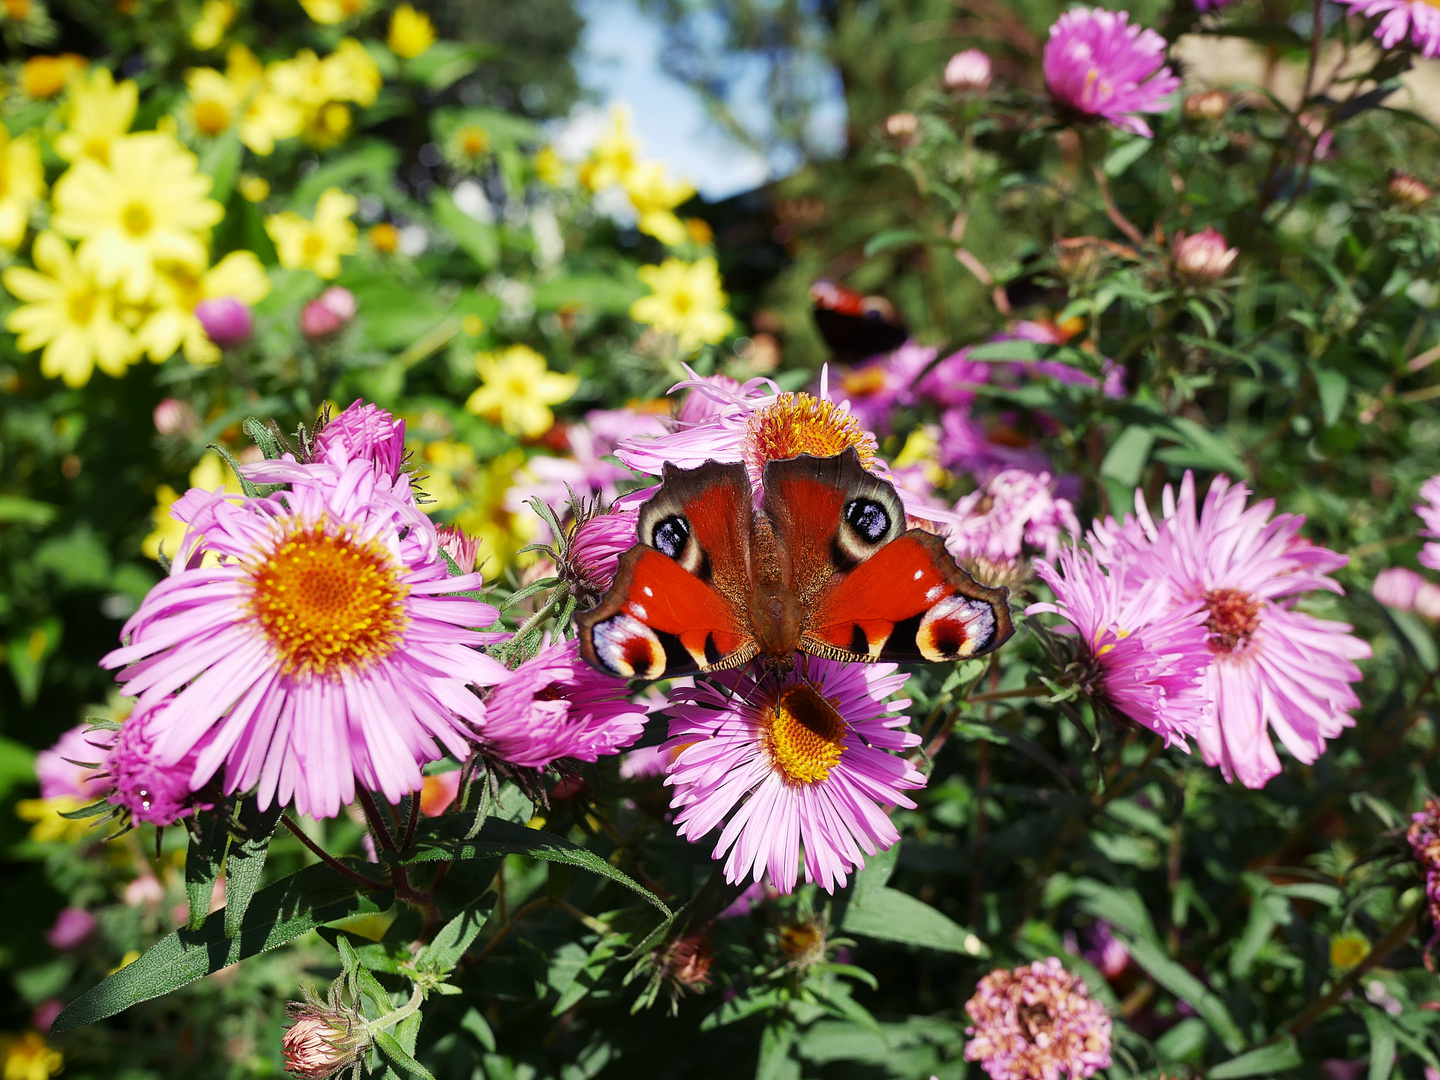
[869, 589]
[678, 602]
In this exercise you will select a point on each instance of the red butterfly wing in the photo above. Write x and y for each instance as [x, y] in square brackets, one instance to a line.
[678, 601]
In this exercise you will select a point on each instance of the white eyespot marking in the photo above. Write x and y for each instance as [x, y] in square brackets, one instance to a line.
[955, 628]
[936, 591]
[628, 648]
[919, 573]
[636, 610]
[649, 591]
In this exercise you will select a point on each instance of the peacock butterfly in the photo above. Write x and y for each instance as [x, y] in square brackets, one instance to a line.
[853, 325]
[824, 567]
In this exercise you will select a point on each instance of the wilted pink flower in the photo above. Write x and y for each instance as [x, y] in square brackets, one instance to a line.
[175, 417]
[72, 766]
[322, 1039]
[797, 768]
[1396, 587]
[968, 72]
[1010, 511]
[555, 706]
[1429, 510]
[328, 314]
[953, 380]
[1147, 658]
[1098, 64]
[1275, 668]
[1419, 19]
[462, 548]
[70, 929]
[149, 790]
[1202, 258]
[226, 321]
[1424, 837]
[363, 432]
[1037, 1022]
[330, 645]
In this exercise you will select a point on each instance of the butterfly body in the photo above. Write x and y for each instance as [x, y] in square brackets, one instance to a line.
[824, 566]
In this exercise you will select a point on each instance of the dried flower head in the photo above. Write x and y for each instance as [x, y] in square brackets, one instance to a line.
[1207, 106]
[1036, 1021]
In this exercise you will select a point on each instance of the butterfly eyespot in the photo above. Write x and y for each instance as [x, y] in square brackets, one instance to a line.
[625, 646]
[955, 628]
[868, 518]
[671, 535]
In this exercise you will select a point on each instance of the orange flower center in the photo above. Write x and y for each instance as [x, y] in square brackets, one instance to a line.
[328, 603]
[804, 424]
[803, 734]
[1234, 617]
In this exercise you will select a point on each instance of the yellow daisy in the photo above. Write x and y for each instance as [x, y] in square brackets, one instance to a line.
[68, 314]
[549, 168]
[148, 205]
[48, 823]
[266, 115]
[22, 183]
[349, 74]
[516, 390]
[686, 300]
[98, 112]
[411, 32]
[476, 493]
[215, 18]
[330, 12]
[214, 101]
[173, 325]
[615, 155]
[43, 77]
[655, 193]
[29, 1057]
[316, 245]
[210, 474]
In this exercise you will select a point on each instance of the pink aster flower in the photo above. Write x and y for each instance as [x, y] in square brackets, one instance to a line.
[591, 553]
[953, 380]
[149, 790]
[363, 432]
[1037, 1022]
[1147, 659]
[72, 766]
[70, 929]
[590, 469]
[802, 765]
[555, 705]
[1417, 19]
[1397, 587]
[1429, 511]
[1424, 837]
[1011, 511]
[1275, 668]
[982, 451]
[1098, 64]
[324, 644]
[874, 390]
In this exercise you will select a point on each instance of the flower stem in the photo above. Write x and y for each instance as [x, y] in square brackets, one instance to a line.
[390, 1019]
[328, 859]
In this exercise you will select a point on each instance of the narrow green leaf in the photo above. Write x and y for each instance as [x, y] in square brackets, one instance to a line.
[1265, 1060]
[891, 915]
[449, 945]
[1007, 350]
[1382, 1044]
[18, 510]
[775, 1043]
[1333, 388]
[278, 914]
[475, 1023]
[1126, 154]
[391, 1048]
[890, 238]
[1122, 908]
[203, 859]
[246, 862]
[1127, 455]
[263, 437]
[1185, 986]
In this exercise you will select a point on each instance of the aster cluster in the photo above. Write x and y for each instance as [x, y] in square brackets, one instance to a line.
[1424, 837]
[1037, 1021]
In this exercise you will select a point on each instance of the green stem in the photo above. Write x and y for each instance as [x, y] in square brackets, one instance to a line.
[390, 1019]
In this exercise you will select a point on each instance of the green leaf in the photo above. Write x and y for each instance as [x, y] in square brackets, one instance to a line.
[278, 914]
[604, 294]
[1122, 908]
[264, 438]
[1007, 350]
[1209, 451]
[1127, 455]
[891, 915]
[245, 863]
[775, 1061]
[391, 1048]
[454, 938]
[369, 164]
[27, 653]
[221, 162]
[1265, 1060]
[1184, 1041]
[1185, 986]
[475, 1023]
[892, 238]
[1383, 1044]
[444, 839]
[203, 859]
[17, 764]
[478, 240]
[1333, 388]
[17, 510]
[446, 63]
[1126, 154]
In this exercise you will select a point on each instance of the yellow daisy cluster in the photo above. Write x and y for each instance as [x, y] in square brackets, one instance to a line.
[517, 389]
[653, 192]
[686, 300]
[305, 96]
[125, 259]
[472, 496]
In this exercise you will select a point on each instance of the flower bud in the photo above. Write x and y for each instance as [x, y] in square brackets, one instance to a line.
[322, 1040]
[968, 72]
[328, 314]
[463, 549]
[1405, 190]
[1202, 259]
[1397, 587]
[72, 926]
[226, 321]
[176, 417]
[902, 126]
[365, 432]
[1427, 600]
[1207, 107]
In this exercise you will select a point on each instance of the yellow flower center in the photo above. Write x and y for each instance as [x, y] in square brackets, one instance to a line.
[81, 305]
[98, 147]
[804, 424]
[211, 117]
[803, 734]
[135, 219]
[314, 245]
[473, 141]
[865, 382]
[328, 603]
[682, 302]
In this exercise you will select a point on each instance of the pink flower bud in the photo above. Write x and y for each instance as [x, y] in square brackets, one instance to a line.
[968, 71]
[461, 548]
[1408, 191]
[363, 431]
[1397, 587]
[227, 322]
[1427, 600]
[1202, 259]
[901, 126]
[176, 417]
[328, 314]
[72, 926]
[322, 1040]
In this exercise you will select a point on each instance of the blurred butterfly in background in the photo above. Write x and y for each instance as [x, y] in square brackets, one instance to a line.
[853, 325]
[825, 567]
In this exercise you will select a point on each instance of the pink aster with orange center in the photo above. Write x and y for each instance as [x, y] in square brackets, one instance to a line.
[1037, 1022]
[797, 769]
[309, 640]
